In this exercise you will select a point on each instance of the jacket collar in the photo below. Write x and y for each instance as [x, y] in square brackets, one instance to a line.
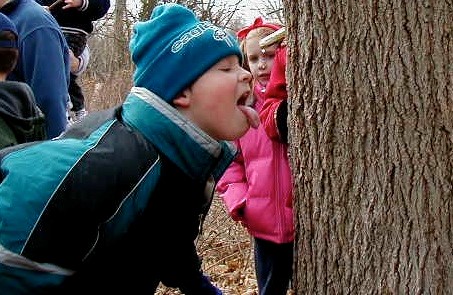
[191, 149]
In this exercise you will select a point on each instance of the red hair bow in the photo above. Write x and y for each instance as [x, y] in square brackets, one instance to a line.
[258, 23]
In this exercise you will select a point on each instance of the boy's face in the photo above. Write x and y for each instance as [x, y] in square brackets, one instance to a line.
[216, 101]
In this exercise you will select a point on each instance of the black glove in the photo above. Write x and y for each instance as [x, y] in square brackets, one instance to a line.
[282, 121]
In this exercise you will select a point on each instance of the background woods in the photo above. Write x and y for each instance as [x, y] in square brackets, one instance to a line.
[110, 70]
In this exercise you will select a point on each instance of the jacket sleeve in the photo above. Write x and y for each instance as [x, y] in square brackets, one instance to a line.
[180, 266]
[178, 218]
[45, 63]
[273, 114]
[233, 187]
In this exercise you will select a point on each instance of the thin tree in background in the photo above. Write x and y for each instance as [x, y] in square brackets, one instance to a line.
[370, 124]
[121, 37]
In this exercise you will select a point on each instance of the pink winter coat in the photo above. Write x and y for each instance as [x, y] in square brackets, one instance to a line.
[257, 189]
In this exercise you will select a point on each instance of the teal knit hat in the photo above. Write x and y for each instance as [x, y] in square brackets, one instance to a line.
[173, 48]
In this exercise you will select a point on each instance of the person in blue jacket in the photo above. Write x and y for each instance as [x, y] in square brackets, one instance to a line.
[43, 60]
[114, 205]
[20, 119]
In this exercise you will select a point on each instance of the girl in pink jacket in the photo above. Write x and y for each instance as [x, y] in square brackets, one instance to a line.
[257, 188]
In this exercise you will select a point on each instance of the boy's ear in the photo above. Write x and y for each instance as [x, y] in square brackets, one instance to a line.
[182, 99]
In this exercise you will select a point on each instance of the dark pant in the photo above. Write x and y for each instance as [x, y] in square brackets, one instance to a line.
[273, 266]
[76, 94]
[76, 43]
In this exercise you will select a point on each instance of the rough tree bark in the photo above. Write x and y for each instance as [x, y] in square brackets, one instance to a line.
[371, 145]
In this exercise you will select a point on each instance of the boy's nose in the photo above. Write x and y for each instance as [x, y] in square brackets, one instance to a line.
[246, 76]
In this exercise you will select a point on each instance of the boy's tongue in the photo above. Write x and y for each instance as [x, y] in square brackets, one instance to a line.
[252, 116]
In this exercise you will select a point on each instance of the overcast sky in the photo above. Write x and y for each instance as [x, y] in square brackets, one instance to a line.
[250, 12]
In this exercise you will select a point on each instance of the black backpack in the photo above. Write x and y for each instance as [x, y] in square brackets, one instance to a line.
[21, 120]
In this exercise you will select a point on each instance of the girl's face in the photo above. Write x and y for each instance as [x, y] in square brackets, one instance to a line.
[260, 61]
[216, 102]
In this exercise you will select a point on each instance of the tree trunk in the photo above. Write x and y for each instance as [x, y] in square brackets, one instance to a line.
[371, 145]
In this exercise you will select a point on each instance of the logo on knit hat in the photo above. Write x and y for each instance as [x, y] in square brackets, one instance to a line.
[221, 35]
[218, 35]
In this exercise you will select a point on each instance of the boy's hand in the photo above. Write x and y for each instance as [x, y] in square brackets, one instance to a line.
[72, 4]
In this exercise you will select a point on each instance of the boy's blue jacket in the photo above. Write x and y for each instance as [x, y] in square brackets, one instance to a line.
[43, 61]
[113, 205]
